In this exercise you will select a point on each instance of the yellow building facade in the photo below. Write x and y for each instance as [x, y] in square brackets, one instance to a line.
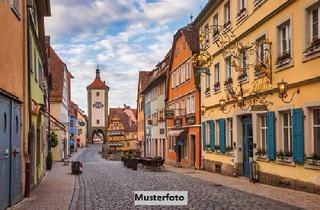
[280, 139]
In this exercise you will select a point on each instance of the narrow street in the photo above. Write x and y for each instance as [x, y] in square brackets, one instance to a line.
[108, 185]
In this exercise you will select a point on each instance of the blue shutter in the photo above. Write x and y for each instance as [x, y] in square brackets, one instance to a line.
[222, 126]
[271, 140]
[203, 134]
[212, 135]
[298, 144]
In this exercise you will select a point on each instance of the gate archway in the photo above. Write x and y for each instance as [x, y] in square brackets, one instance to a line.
[98, 136]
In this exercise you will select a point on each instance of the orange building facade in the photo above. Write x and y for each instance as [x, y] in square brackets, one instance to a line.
[183, 102]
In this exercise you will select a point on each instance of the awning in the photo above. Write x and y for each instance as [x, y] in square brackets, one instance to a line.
[175, 132]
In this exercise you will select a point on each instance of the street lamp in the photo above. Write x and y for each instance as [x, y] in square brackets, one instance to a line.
[222, 106]
[283, 91]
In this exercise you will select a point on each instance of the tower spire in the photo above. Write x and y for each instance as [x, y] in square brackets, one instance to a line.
[97, 72]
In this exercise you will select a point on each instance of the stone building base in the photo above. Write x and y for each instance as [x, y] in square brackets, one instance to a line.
[221, 168]
[285, 182]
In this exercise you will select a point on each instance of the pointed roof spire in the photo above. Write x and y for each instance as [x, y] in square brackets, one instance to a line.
[97, 72]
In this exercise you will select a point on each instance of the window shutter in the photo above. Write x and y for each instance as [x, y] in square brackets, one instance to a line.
[212, 142]
[271, 140]
[203, 134]
[222, 126]
[298, 144]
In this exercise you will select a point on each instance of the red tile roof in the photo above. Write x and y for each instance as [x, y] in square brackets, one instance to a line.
[97, 83]
[57, 67]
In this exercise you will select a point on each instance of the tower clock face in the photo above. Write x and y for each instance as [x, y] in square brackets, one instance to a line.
[98, 105]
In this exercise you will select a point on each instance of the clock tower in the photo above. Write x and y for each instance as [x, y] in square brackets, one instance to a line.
[97, 109]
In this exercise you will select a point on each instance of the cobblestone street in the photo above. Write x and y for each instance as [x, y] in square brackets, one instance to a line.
[108, 185]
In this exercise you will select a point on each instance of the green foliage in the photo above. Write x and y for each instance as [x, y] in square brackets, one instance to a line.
[49, 156]
[53, 140]
[314, 156]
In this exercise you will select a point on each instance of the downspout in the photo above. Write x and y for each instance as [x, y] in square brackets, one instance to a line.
[28, 164]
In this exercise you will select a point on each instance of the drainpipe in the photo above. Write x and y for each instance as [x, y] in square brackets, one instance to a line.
[28, 164]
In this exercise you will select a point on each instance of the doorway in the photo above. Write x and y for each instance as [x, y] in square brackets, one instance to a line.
[247, 145]
[192, 150]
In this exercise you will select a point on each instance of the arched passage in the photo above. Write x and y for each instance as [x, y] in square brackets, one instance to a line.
[98, 136]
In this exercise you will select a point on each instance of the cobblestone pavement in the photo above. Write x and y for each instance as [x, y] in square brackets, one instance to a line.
[108, 185]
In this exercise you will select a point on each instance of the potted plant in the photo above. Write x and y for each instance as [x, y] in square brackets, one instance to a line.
[283, 59]
[53, 140]
[314, 159]
[49, 161]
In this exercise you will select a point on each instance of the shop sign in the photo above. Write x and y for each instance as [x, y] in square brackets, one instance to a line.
[115, 145]
[259, 107]
[178, 122]
[191, 120]
[116, 133]
[169, 114]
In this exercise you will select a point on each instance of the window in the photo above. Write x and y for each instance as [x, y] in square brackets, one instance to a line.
[173, 80]
[284, 38]
[242, 5]
[177, 111]
[287, 132]
[230, 132]
[206, 33]
[207, 83]
[178, 77]
[98, 122]
[208, 131]
[190, 105]
[183, 73]
[261, 49]
[217, 134]
[15, 7]
[97, 93]
[216, 77]
[263, 132]
[183, 107]
[228, 68]
[243, 59]
[316, 130]
[185, 149]
[227, 15]
[314, 24]
[215, 24]
[188, 69]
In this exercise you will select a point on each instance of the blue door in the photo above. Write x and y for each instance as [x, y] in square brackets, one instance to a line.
[16, 169]
[5, 115]
[247, 145]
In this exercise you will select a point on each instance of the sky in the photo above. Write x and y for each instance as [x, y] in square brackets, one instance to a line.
[123, 37]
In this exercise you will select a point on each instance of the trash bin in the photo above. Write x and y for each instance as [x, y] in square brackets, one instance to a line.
[134, 162]
[76, 167]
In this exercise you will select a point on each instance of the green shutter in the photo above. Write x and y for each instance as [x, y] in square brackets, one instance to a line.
[271, 140]
[203, 134]
[212, 135]
[222, 135]
[298, 141]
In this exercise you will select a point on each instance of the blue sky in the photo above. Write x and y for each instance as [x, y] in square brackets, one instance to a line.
[122, 36]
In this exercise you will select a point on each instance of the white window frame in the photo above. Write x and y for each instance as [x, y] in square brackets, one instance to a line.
[261, 49]
[188, 67]
[242, 4]
[230, 130]
[177, 114]
[183, 74]
[185, 148]
[216, 24]
[217, 134]
[207, 82]
[208, 131]
[313, 134]
[265, 129]
[285, 36]
[289, 127]
[190, 105]
[228, 68]
[311, 23]
[227, 12]
[217, 73]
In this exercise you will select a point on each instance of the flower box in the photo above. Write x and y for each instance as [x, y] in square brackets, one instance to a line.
[228, 82]
[227, 25]
[313, 162]
[283, 59]
[241, 14]
[314, 47]
[217, 86]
